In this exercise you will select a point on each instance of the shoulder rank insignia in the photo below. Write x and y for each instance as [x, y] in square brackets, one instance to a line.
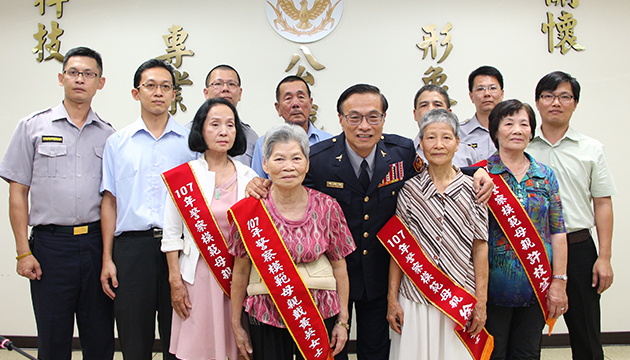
[418, 163]
[396, 173]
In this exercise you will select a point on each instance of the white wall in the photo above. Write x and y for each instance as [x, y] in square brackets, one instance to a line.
[373, 43]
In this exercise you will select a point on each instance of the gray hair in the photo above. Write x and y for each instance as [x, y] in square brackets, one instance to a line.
[285, 133]
[439, 116]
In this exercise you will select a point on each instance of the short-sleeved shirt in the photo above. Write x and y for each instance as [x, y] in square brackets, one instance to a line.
[538, 192]
[464, 156]
[583, 173]
[477, 137]
[61, 164]
[314, 136]
[133, 163]
[322, 230]
[445, 226]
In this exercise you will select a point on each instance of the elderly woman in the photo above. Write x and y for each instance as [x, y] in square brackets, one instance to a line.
[201, 308]
[438, 207]
[515, 318]
[314, 231]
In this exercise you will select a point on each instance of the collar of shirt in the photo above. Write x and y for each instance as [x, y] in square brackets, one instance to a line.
[171, 126]
[315, 135]
[496, 166]
[59, 112]
[356, 160]
[569, 134]
[429, 189]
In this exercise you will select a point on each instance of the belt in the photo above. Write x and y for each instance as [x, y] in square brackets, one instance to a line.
[154, 232]
[578, 236]
[71, 230]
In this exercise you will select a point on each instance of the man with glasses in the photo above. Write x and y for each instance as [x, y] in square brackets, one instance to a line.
[135, 272]
[224, 81]
[55, 157]
[293, 104]
[583, 174]
[485, 86]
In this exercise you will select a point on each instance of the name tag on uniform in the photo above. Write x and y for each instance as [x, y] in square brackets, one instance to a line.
[52, 138]
[334, 184]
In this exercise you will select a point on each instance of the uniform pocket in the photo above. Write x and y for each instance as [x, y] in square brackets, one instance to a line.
[51, 160]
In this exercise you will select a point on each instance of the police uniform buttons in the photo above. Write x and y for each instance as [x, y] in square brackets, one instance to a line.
[366, 199]
[364, 252]
[366, 217]
[393, 192]
[365, 234]
[334, 140]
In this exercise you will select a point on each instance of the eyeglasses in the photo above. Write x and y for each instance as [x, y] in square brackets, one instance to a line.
[153, 87]
[219, 85]
[549, 98]
[491, 88]
[356, 119]
[86, 74]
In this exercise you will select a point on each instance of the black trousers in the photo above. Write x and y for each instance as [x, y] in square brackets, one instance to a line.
[372, 329]
[70, 285]
[143, 289]
[583, 318]
[517, 331]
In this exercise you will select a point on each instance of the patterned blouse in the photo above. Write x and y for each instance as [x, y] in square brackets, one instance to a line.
[445, 225]
[539, 194]
[323, 229]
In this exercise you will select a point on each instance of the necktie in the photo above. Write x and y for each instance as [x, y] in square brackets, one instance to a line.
[364, 177]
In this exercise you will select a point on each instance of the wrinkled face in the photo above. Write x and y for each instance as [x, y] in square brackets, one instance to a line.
[362, 138]
[80, 89]
[219, 130]
[287, 166]
[294, 105]
[439, 144]
[158, 100]
[428, 101]
[514, 132]
[223, 83]
[557, 112]
[486, 93]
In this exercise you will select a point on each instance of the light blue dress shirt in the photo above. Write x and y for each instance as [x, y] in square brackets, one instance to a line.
[133, 163]
[314, 136]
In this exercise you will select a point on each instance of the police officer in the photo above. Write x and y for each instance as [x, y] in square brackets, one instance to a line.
[55, 155]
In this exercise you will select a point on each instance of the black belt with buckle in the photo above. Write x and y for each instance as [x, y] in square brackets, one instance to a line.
[70, 230]
[578, 236]
[154, 232]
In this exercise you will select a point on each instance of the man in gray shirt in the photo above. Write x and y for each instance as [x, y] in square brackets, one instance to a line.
[55, 155]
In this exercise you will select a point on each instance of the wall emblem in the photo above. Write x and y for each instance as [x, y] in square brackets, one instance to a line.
[304, 21]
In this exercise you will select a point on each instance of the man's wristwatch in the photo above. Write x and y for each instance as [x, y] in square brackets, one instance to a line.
[561, 277]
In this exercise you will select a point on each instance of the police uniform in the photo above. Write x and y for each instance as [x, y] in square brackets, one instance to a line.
[473, 134]
[62, 166]
[366, 212]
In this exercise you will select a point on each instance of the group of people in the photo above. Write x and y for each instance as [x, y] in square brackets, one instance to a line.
[261, 248]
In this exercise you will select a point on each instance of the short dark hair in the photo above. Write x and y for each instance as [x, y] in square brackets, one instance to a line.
[150, 64]
[222, 67]
[551, 81]
[507, 108]
[361, 89]
[432, 88]
[87, 52]
[485, 70]
[196, 141]
[288, 79]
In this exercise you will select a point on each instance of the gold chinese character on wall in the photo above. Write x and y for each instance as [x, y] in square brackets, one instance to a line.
[175, 50]
[53, 47]
[564, 27]
[429, 45]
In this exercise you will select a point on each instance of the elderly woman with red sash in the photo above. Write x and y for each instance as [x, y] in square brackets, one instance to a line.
[297, 230]
[200, 267]
[527, 240]
[440, 243]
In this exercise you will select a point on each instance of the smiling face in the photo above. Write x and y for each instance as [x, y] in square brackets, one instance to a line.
[514, 132]
[557, 113]
[81, 90]
[287, 166]
[439, 144]
[294, 104]
[231, 93]
[486, 100]
[154, 102]
[362, 138]
[219, 130]
[428, 101]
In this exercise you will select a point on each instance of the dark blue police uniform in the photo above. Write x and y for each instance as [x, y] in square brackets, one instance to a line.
[366, 212]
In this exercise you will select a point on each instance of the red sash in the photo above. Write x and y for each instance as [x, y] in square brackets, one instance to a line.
[447, 296]
[523, 238]
[182, 184]
[281, 277]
